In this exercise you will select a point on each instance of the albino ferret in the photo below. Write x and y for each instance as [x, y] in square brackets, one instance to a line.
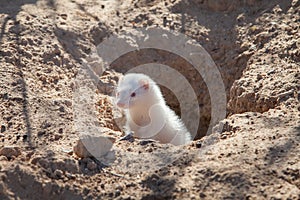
[147, 115]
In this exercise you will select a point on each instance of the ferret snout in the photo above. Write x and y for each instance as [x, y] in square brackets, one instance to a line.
[121, 105]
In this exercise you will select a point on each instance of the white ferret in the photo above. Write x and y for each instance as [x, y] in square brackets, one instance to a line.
[147, 115]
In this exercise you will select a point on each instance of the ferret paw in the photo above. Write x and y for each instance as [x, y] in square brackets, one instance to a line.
[146, 141]
[129, 137]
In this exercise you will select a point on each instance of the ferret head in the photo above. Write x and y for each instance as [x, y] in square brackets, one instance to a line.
[133, 90]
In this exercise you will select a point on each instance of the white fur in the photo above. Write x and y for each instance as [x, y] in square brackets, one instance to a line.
[146, 104]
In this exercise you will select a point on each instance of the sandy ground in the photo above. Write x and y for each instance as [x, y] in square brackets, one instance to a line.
[254, 155]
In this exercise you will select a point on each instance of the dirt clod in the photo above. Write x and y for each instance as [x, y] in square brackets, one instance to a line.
[10, 151]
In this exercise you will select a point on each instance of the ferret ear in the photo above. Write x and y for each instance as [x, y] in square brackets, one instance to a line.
[144, 83]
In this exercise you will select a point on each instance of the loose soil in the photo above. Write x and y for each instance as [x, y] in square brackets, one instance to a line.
[252, 154]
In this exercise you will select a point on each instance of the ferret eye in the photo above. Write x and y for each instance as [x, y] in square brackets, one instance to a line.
[133, 94]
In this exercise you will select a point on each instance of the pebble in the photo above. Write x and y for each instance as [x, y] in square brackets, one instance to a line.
[3, 158]
[70, 176]
[9, 151]
[68, 103]
[61, 109]
[57, 137]
[91, 165]
[149, 149]
[198, 144]
[67, 151]
[98, 146]
[58, 173]
[3, 128]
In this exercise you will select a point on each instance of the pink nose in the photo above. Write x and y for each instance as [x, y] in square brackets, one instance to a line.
[121, 105]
